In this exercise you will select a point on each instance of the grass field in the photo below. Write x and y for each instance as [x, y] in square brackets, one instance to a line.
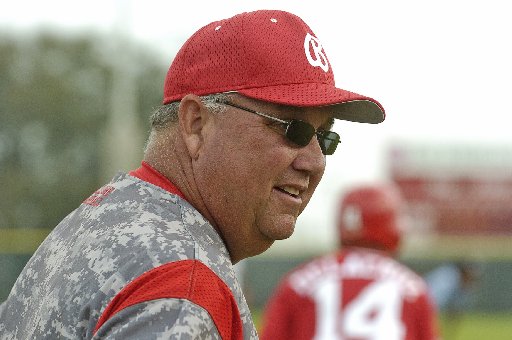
[477, 327]
[467, 327]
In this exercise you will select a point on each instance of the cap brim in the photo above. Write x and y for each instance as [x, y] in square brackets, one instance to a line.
[345, 104]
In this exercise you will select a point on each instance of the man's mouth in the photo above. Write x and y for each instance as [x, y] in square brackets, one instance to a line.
[294, 192]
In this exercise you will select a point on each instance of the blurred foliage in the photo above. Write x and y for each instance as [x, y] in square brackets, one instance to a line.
[54, 106]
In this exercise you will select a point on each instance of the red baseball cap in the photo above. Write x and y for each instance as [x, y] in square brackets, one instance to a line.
[268, 55]
[370, 216]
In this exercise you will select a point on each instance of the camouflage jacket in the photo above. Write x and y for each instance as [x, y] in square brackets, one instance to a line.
[132, 262]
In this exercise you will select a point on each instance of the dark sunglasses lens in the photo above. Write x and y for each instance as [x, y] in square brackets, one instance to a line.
[299, 132]
[328, 141]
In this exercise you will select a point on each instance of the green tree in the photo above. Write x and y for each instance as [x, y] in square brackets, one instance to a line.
[54, 109]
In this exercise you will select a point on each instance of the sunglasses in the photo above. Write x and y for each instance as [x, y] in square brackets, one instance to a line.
[299, 132]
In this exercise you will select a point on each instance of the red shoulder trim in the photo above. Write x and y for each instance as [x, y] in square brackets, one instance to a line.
[187, 279]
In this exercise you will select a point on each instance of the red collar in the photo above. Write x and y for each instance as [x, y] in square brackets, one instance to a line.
[147, 173]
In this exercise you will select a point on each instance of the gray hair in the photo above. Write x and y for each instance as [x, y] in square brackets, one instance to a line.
[168, 113]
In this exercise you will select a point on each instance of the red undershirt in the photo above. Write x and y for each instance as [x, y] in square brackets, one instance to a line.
[148, 174]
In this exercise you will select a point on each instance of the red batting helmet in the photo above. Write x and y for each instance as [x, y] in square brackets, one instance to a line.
[369, 217]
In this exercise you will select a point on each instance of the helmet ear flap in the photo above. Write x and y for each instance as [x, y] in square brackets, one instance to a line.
[369, 217]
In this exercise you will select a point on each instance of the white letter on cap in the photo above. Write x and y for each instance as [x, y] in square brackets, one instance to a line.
[319, 59]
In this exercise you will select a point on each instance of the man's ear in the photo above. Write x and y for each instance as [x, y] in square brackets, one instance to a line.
[193, 117]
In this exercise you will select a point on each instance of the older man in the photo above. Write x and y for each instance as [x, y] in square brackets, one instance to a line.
[233, 157]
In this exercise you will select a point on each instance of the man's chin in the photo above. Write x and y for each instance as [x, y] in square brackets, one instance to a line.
[283, 237]
[283, 232]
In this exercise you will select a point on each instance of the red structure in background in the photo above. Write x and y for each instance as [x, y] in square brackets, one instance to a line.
[455, 190]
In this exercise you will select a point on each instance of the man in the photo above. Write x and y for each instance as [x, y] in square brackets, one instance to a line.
[452, 285]
[359, 292]
[233, 157]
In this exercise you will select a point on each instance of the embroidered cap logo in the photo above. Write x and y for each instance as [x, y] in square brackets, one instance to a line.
[313, 45]
[352, 219]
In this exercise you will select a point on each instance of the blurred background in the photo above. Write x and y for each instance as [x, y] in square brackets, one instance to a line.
[79, 80]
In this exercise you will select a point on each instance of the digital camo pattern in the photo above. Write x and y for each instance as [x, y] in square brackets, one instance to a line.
[163, 312]
[123, 230]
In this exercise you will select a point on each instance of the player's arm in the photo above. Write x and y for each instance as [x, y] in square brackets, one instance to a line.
[160, 319]
[178, 298]
[427, 319]
[277, 319]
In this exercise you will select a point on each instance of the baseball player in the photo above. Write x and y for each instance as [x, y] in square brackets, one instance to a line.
[233, 157]
[359, 292]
